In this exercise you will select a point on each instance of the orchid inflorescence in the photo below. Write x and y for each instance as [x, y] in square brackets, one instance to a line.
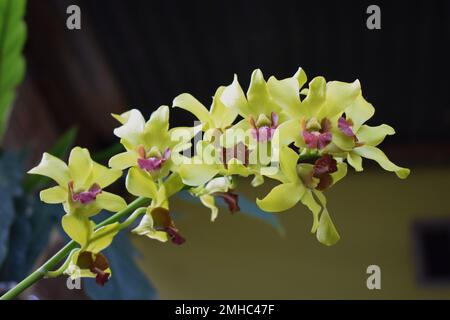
[300, 136]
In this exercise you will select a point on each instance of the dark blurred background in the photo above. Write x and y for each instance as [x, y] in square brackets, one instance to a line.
[142, 54]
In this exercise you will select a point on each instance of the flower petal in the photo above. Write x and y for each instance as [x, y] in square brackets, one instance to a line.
[282, 197]
[209, 202]
[123, 160]
[156, 129]
[377, 155]
[288, 132]
[145, 228]
[197, 174]
[286, 94]
[54, 168]
[355, 161]
[340, 95]
[315, 98]
[78, 228]
[104, 176]
[110, 202]
[233, 97]
[300, 76]
[54, 195]
[326, 232]
[288, 163]
[187, 102]
[80, 166]
[132, 129]
[373, 136]
[359, 112]
[102, 237]
[340, 173]
[140, 184]
[222, 116]
[309, 201]
[259, 99]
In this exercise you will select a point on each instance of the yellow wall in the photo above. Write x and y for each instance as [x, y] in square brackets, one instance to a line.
[238, 257]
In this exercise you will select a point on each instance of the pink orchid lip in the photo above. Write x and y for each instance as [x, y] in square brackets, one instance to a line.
[346, 127]
[264, 133]
[152, 164]
[318, 139]
[85, 197]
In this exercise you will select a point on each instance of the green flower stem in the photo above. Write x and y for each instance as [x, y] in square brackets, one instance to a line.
[66, 250]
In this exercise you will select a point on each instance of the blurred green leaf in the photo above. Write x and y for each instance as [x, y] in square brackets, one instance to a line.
[10, 177]
[12, 64]
[60, 149]
[104, 155]
[25, 222]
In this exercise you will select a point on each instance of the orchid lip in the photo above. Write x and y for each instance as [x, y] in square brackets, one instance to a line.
[318, 139]
[153, 164]
[264, 133]
[85, 197]
[346, 127]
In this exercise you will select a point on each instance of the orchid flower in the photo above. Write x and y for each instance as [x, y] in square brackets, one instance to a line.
[359, 140]
[304, 182]
[221, 187]
[150, 146]
[87, 261]
[156, 223]
[318, 124]
[262, 115]
[81, 183]
[215, 121]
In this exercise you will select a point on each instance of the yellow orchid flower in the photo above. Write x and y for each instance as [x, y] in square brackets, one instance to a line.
[81, 183]
[304, 182]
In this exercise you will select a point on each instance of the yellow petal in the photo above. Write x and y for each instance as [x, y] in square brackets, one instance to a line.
[123, 160]
[78, 228]
[282, 197]
[54, 168]
[355, 161]
[140, 184]
[110, 202]
[373, 136]
[187, 102]
[102, 237]
[209, 202]
[377, 155]
[104, 176]
[80, 166]
[56, 194]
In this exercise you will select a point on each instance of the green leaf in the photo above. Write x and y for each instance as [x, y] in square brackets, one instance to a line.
[12, 63]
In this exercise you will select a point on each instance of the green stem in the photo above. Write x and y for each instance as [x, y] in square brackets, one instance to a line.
[65, 251]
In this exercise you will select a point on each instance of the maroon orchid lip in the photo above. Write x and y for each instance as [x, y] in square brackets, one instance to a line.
[231, 199]
[152, 164]
[318, 139]
[264, 133]
[239, 152]
[175, 236]
[163, 222]
[85, 197]
[97, 263]
[323, 167]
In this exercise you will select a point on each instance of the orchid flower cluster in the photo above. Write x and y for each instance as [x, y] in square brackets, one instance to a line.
[302, 136]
